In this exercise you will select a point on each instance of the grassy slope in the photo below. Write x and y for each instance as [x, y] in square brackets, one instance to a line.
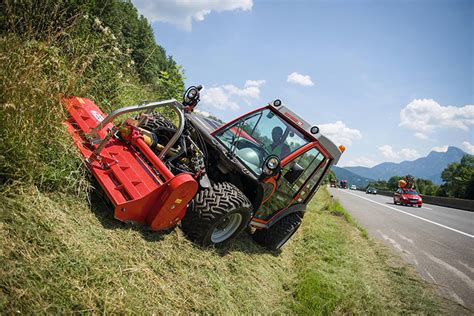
[59, 253]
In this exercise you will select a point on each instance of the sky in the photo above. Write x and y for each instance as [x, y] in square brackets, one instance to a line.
[390, 80]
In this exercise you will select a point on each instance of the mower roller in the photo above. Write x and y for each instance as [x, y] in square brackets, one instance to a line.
[259, 170]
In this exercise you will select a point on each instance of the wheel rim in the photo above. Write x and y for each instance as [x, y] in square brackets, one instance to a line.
[226, 228]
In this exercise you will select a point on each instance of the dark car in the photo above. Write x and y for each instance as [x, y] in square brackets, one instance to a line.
[371, 190]
[407, 197]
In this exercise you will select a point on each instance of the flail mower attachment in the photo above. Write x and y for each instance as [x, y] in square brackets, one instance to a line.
[135, 179]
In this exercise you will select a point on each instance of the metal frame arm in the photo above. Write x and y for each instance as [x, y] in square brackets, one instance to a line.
[175, 105]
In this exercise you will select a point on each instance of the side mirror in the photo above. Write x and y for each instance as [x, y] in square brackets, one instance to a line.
[294, 173]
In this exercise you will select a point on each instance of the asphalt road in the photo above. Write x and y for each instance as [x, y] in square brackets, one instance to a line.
[439, 241]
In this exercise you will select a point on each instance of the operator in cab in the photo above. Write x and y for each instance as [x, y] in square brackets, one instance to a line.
[278, 147]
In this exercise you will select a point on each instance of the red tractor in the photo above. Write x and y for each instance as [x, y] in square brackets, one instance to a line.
[260, 169]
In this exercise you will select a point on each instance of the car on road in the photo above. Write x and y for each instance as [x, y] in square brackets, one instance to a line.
[353, 187]
[343, 184]
[407, 197]
[371, 190]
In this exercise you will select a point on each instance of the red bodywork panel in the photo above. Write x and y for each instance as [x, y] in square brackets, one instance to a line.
[139, 185]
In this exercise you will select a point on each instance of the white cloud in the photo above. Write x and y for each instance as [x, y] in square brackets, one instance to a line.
[339, 133]
[250, 92]
[218, 98]
[409, 153]
[426, 115]
[222, 97]
[254, 83]
[468, 147]
[203, 113]
[300, 79]
[421, 136]
[182, 13]
[361, 161]
[441, 149]
[405, 153]
[387, 151]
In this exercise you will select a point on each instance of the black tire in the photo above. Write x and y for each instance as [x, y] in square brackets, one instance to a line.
[160, 125]
[211, 208]
[277, 235]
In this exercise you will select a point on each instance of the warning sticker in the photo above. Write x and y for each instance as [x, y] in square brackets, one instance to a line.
[97, 116]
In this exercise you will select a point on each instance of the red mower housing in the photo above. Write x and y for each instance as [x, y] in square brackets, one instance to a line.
[141, 188]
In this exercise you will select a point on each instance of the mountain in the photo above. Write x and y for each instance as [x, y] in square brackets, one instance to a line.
[429, 167]
[351, 177]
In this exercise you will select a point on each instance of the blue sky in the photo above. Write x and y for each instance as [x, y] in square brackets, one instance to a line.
[391, 80]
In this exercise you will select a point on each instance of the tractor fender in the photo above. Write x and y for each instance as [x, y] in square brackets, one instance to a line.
[295, 208]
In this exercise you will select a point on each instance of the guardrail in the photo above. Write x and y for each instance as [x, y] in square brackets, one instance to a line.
[462, 204]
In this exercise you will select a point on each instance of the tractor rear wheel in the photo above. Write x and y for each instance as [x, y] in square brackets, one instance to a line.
[217, 214]
[277, 235]
[160, 125]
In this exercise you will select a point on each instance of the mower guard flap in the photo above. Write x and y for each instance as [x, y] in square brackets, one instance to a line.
[139, 185]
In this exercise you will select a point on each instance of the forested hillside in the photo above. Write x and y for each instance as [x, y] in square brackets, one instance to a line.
[97, 49]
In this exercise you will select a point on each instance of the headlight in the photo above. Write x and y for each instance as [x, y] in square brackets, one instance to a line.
[270, 165]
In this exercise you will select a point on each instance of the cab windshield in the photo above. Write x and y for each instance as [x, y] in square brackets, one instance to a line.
[256, 136]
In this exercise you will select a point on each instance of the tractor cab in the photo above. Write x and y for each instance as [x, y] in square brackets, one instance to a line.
[288, 156]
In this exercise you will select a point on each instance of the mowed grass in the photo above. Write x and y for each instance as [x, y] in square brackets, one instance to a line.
[60, 253]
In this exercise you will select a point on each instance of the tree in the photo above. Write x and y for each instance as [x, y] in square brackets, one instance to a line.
[426, 187]
[392, 183]
[379, 185]
[459, 179]
[331, 176]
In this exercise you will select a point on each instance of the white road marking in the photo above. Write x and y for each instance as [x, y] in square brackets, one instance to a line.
[392, 241]
[427, 208]
[405, 238]
[452, 269]
[429, 274]
[419, 217]
[467, 267]
[396, 245]
[457, 298]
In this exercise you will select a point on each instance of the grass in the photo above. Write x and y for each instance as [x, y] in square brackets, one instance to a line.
[62, 254]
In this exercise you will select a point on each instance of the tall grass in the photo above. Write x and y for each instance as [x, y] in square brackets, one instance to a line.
[43, 59]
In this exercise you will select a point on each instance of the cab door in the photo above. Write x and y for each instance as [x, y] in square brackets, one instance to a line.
[298, 176]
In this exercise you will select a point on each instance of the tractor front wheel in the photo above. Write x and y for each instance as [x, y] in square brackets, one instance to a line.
[217, 215]
[277, 235]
